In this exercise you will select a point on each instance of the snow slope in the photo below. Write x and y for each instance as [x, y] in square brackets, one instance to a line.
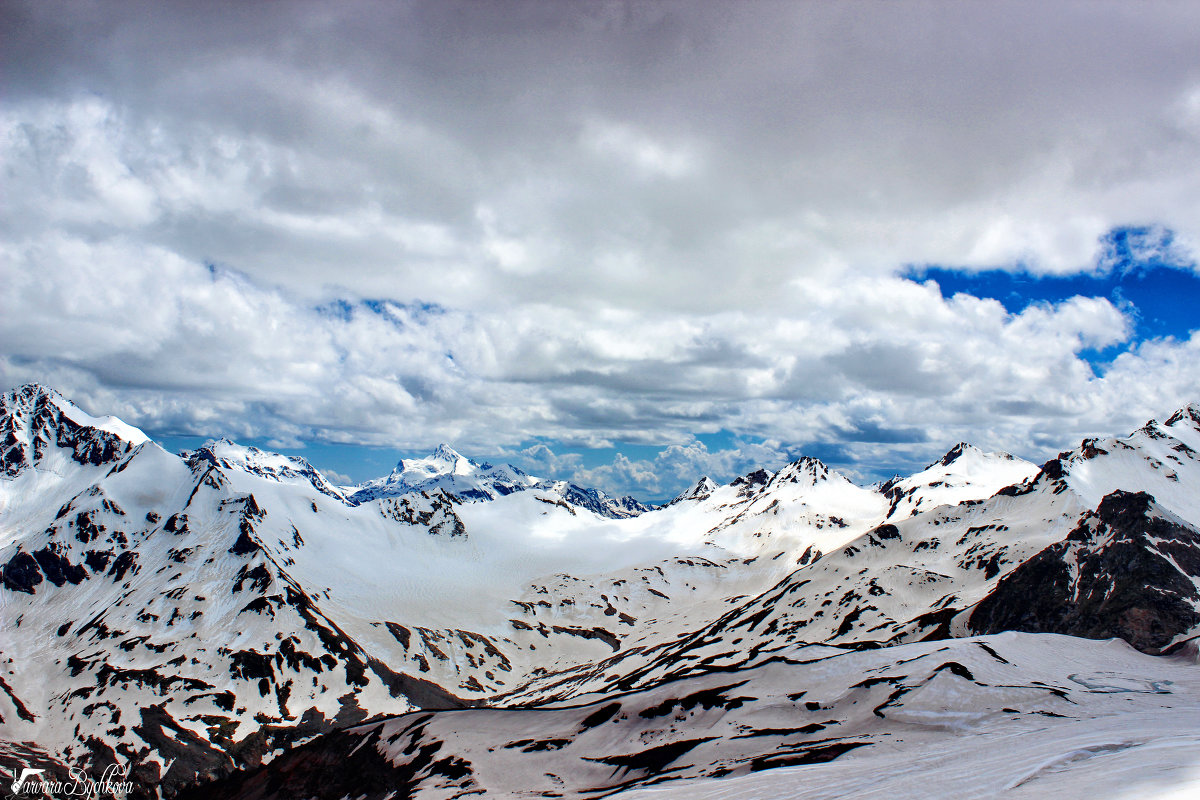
[977, 717]
[964, 473]
[213, 610]
[922, 576]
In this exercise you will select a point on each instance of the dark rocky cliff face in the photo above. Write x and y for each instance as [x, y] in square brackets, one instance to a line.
[1127, 571]
[31, 421]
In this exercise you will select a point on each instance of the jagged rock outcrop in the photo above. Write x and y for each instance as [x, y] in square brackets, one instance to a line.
[1129, 570]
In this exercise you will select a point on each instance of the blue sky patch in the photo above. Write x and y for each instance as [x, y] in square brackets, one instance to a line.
[1140, 270]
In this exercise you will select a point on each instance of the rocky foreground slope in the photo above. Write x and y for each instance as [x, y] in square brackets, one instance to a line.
[191, 618]
[1040, 704]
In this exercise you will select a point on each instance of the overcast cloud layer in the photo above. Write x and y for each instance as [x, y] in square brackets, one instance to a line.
[530, 228]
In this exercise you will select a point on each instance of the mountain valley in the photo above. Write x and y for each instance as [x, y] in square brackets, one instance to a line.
[228, 622]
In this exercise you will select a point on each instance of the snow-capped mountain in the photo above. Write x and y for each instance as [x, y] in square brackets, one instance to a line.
[1129, 570]
[36, 419]
[926, 576]
[146, 611]
[964, 473]
[195, 616]
[595, 500]
[277, 467]
[699, 490]
[446, 470]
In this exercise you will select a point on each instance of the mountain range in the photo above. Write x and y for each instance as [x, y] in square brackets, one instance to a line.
[227, 622]
[446, 470]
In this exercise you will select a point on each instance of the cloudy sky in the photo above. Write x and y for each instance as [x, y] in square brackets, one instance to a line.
[629, 243]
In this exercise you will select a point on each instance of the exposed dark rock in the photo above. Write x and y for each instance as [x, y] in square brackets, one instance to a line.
[176, 523]
[884, 532]
[342, 763]
[1126, 571]
[652, 759]
[600, 715]
[953, 454]
[86, 528]
[123, 563]
[590, 633]
[22, 712]
[245, 544]
[433, 511]
[258, 575]
[36, 411]
[758, 477]
[807, 755]
[195, 760]
[21, 573]
[706, 699]
[57, 568]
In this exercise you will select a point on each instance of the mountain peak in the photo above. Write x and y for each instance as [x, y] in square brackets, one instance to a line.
[229, 454]
[1190, 412]
[957, 452]
[813, 466]
[34, 398]
[444, 469]
[964, 473]
[697, 491]
[445, 452]
[806, 470]
[229, 449]
[443, 459]
[30, 392]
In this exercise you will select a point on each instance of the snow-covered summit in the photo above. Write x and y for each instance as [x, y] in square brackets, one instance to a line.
[964, 473]
[34, 418]
[1184, 425]
[595, 500]
[1189, 413]
[697, 491]
[33, 401]
[273, 466]
[448, 471]
[444, 460]
[1158, 458]
[445, 469]
[807, 471]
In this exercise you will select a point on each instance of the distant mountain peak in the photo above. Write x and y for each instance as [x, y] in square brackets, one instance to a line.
[467, 480]
[445, 452]
[444, 469]
[596, 500]
[808, 470]
[883, 487]
[699, 490]
[1190, 412]
[442, 460]
[957, 452]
